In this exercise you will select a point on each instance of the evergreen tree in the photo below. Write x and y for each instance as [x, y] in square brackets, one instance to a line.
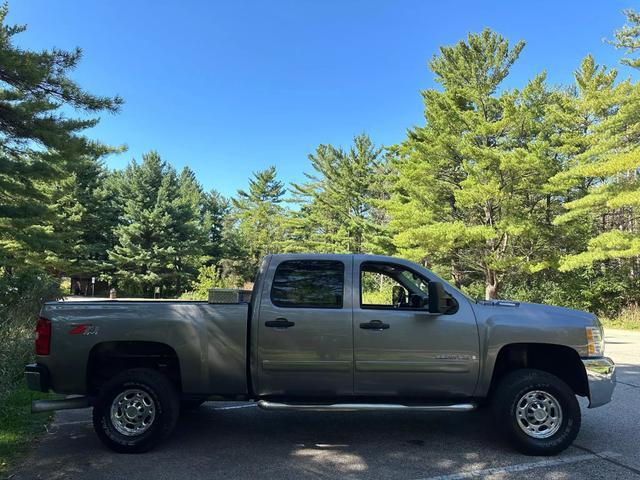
[257, 221]
[339, 210]
[469, 197]
[211, 209]
[87, 214]
[601, 182]
[39, 143]
[216, 214]
[160, 242]
[628, 38]
[596, 176]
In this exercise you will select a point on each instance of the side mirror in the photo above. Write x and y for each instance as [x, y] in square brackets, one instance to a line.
[398, 295]
[439, 300]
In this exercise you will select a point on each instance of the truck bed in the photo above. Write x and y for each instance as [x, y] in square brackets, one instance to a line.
[209, 340]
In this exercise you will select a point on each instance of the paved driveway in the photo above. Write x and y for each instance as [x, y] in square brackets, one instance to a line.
[237, 440]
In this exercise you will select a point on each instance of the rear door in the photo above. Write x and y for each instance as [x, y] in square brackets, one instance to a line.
[305, 335]
[402, 350]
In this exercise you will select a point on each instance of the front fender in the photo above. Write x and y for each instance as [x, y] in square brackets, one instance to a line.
[505, 323]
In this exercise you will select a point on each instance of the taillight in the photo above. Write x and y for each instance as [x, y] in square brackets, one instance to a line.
[43, 336]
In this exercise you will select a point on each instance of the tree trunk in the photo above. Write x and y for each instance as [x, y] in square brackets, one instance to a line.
[456, 274]
[491, 285]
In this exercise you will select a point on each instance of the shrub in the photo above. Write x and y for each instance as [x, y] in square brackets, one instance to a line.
[209, 277]
[21, 297]
[628, 318]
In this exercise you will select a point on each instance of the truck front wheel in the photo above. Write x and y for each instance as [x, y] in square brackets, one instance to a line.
[538, 411]
[135, 410]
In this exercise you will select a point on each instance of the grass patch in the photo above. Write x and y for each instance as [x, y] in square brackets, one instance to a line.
[18, 426]
[620, 324]
[627, 319]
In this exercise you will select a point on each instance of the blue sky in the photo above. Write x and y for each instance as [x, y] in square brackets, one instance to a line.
[232, 87]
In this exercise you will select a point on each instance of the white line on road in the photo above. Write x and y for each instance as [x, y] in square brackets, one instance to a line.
[523, 467]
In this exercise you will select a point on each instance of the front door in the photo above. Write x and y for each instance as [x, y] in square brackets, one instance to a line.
[305, 334]
[402, 350]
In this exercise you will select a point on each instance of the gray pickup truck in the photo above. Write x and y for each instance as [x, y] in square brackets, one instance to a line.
[325, 333]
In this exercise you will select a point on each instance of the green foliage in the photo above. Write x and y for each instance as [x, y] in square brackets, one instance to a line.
[22, 293]
[215, 215]
[210, 276]
[377, 289]
[339, 203]
[628, 38]
[160, 237]
[468, 198]
[257, 222]
[600, 181]
[18, 426]
[39, 145]
[628, 319]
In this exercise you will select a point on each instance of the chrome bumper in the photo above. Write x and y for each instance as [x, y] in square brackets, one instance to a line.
[601, 374]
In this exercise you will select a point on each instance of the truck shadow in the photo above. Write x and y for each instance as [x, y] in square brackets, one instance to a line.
[291, 444]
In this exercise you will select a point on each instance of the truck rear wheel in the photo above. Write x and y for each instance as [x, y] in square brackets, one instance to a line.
[538, 411]
[135, 410]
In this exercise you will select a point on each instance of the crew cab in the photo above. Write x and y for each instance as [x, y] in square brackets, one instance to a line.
[324, 333]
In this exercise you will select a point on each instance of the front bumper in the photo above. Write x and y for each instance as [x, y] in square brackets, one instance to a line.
[37, 377]
[601, 375]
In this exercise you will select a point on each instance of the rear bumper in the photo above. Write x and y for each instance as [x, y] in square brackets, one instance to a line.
[601, 375]
[37, 377]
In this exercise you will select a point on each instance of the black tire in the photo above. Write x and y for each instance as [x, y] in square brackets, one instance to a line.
[513, 387]
[187, 404]
[152, 385]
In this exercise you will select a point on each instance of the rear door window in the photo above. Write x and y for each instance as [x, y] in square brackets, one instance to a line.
[308, 284]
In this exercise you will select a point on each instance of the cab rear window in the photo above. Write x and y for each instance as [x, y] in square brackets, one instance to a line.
[308, 284]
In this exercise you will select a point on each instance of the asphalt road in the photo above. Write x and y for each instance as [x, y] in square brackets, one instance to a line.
[237, 440]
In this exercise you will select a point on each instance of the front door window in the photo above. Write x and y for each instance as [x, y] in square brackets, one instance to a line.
[392, 286]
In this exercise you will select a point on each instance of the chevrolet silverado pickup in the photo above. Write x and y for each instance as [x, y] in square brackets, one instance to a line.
[324, 333]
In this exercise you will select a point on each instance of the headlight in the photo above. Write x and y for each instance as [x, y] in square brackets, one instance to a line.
[595, 342]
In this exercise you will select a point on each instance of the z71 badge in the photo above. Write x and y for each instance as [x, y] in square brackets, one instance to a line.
[84, 329]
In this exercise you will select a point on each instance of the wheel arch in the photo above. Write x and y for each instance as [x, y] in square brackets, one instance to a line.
[559, 360]
[109, 358]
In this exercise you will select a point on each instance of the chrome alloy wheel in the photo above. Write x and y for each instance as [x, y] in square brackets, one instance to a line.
[133, 412]
[539, 414]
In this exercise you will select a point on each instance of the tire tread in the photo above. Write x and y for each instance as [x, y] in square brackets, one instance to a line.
[512, 387]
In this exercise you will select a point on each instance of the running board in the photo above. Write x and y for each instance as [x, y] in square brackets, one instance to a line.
[366, 407]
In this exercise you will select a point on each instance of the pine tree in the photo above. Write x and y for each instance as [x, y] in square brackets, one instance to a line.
[469, 196]
[86, 215]
[160, 242]
[257, 221]
[628, 38]
[216, 214]
[339, 210]
[602, 181]
[39, 143]
[594, 104]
